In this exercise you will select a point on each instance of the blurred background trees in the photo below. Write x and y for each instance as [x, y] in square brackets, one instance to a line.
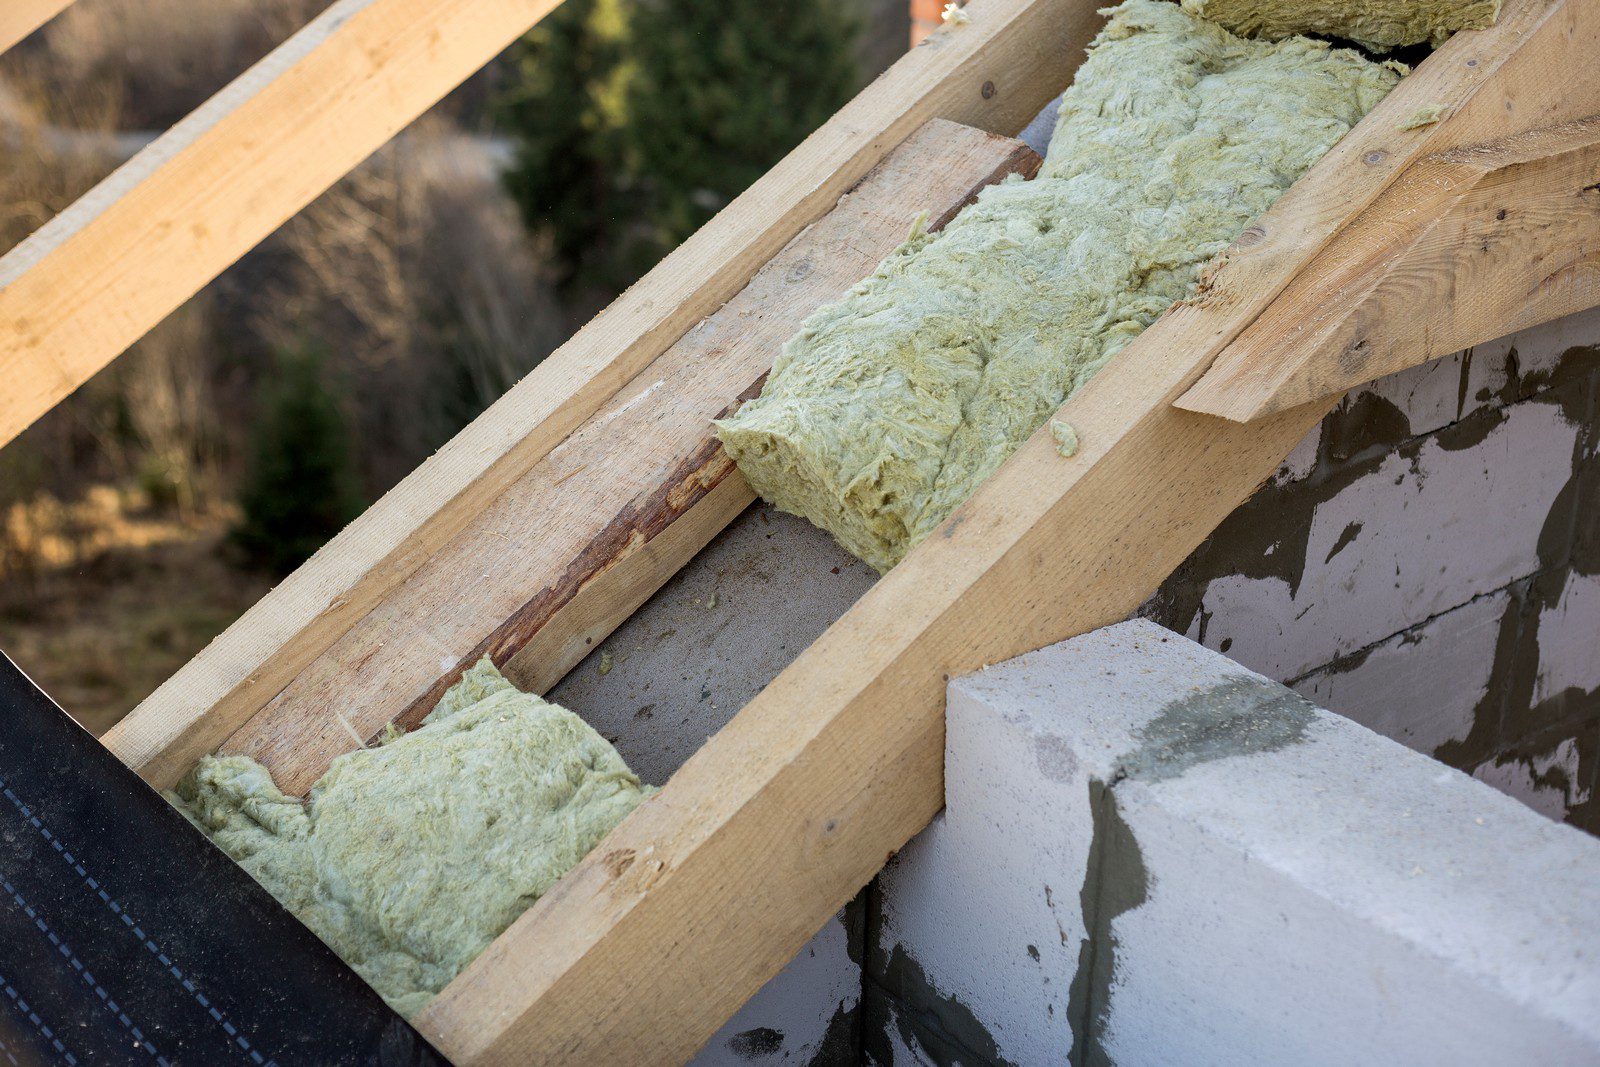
[155, 505]
[635, 123]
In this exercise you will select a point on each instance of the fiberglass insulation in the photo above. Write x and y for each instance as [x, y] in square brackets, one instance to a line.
[409, 858]
[890, 406]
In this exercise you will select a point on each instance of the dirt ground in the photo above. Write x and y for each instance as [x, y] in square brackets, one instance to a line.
[103, 613]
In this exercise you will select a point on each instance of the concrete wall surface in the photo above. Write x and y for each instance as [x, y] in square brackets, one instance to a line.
[675, 673]
[1427, 562]
[1152, 855]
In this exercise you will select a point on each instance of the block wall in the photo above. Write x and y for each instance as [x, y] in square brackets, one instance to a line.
[1428, 563]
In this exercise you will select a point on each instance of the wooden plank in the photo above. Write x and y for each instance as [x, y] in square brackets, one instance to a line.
[994, 73]
[1470, 245]
[18, 18]
[707, 890]
[96, 277]
[589, 533]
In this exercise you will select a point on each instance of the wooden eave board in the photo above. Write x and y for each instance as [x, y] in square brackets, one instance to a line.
[706, 890]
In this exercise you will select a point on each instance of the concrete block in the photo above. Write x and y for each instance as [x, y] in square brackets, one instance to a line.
[1426, 686]
[808, 1014]
[1493, 374]
[1569, 639]
[1423, 529]
[1152, 855]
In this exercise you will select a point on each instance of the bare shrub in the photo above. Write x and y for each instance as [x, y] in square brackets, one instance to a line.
[160, 59]
[416, 274]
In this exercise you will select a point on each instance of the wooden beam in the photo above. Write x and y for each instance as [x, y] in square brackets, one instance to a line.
[18, 18]
[709, 888]
[1469, 245]
[99, 275]
[575, 546]
[994, 73]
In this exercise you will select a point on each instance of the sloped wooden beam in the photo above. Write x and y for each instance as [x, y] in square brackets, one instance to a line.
[98, 276]
[18, 18]
[994, 74]
[1469, 245]
[597, 526]
[709, 888]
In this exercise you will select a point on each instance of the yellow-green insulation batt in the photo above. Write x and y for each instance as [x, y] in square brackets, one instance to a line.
[1378, 24]
[890, 406]
[409, 858]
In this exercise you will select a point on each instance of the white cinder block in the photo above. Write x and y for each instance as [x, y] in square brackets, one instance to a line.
[1420, 535]
[1569, 640]
[1424, 686]
[1237, 877]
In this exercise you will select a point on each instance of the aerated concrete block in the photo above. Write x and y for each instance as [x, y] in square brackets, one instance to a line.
[1151, 855]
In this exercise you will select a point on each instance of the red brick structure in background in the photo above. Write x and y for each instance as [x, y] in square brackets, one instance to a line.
[925, 18]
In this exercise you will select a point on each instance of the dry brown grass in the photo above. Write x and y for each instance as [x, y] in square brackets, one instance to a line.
[103, 598]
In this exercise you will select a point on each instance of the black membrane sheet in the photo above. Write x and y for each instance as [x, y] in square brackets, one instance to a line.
[126, 937]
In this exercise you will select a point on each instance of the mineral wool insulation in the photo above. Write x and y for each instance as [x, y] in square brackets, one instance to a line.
[1378, 24]
[890, 406]
[411, 857]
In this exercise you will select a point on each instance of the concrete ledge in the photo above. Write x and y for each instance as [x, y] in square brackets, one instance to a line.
[1153, 855]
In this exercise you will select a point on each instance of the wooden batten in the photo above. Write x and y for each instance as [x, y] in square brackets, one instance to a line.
[994, 73]
[18, 18]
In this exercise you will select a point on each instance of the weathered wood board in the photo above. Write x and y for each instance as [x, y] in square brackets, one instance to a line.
[993, 74]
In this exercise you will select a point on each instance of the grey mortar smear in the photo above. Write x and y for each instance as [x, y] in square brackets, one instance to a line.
[1238, 717]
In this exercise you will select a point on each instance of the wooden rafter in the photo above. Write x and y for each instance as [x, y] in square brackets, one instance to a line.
[18, 18]
[708, 889]
[1469, 245]
[99, 275]
[703, 894]
[598, 525]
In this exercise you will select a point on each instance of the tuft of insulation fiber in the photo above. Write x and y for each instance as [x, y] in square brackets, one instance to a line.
[1376, 24]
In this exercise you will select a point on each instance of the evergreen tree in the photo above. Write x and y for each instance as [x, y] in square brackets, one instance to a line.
[301, 487]
[562, 110]
[636, 123]
[719, 91]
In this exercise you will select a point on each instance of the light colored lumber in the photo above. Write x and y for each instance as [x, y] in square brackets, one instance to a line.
[1469, 245]
[709, 888]
[18, 18]
[574, 547]
[994, 73]
[99, 275]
